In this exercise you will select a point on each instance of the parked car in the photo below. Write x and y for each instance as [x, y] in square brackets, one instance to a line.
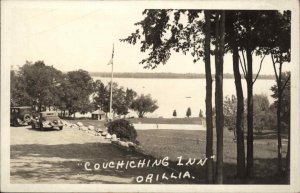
[47, 120]
[20, 115]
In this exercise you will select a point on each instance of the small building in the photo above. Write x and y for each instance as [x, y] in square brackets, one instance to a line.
[98, 115]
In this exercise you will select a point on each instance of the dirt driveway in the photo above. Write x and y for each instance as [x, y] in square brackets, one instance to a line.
[59, 157]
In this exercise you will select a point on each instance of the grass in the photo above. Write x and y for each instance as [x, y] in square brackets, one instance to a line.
[191, 144]
[192, 120]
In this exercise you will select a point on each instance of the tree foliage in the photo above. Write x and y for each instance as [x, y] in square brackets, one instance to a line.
[144, 104]
[40, 83]
[286, 99]
[123, 129]
[77, 88]
[174, 113]
[164, 31]
[188, 112]
[122, 99]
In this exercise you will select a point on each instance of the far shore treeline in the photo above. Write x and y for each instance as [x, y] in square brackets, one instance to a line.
[168, 75]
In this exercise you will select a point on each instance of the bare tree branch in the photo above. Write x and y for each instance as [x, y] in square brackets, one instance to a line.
[273, 62]
[261, 61]
[244, 72]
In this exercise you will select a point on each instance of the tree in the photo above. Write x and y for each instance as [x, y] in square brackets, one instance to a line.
[41, 83]
[253, 34]
[201, 114]
[219, 53]
[174, 113]
[144, 104]
[19, 96]
[262, 114]
[231, 37]
[122, 99]
[188, 112]
[163, 32]
[78, 87]
[284, 115]
[101, 96]
[280, 44]
[230, 113]
[208, 97]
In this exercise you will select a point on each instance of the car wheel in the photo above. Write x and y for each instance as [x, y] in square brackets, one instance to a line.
[61, 128]
[27, 118]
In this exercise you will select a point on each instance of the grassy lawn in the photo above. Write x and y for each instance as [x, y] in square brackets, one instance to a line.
[192, 120]
[191, 144]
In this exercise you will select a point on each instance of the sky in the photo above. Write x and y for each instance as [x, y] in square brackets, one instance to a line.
[72, 35]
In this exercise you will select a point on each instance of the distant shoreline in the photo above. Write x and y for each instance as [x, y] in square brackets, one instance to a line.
[168, 75]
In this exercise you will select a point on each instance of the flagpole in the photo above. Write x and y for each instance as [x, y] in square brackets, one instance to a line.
[111, 81]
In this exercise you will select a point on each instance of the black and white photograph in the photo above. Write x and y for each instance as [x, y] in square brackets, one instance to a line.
[150, 96]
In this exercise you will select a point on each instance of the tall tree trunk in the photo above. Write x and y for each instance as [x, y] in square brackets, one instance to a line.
[208, 100]
[249, 100]
[220, 20]
[240, 101]
[249, 114]
[239, 116]
[279, 144]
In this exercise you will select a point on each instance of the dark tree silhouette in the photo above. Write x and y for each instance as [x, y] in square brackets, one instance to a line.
[188, 112]
[174, 113]
[144, 104]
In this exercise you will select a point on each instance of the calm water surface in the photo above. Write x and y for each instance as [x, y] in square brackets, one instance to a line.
[179, 94]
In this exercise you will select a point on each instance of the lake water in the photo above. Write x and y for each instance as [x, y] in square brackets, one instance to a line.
[179, 94]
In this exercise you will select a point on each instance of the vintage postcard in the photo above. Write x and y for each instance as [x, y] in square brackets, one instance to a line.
[150, 96]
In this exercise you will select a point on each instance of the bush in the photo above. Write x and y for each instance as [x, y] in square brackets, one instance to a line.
[123, 130]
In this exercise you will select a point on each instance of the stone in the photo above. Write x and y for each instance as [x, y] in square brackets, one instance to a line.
[108, 136]
[104, 133]
[114, 136]
[79, 124]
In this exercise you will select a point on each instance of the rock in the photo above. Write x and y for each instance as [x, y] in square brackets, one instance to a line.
[90, 127]
[65, 123]
[104, 133]
[130, 143]
[79, 124]
[108, 136]
[74, 126]
[83, 128]
[123, 144]
[98, 130]
[114, 136]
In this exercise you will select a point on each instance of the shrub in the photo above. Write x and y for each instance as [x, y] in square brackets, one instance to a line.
[123, 130]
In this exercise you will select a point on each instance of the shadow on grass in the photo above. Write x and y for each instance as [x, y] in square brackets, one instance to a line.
[265, 172]
[44, 130]
[65, 162]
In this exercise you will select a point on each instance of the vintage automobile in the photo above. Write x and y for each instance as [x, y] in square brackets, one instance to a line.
[20, 115]
[47, 120]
